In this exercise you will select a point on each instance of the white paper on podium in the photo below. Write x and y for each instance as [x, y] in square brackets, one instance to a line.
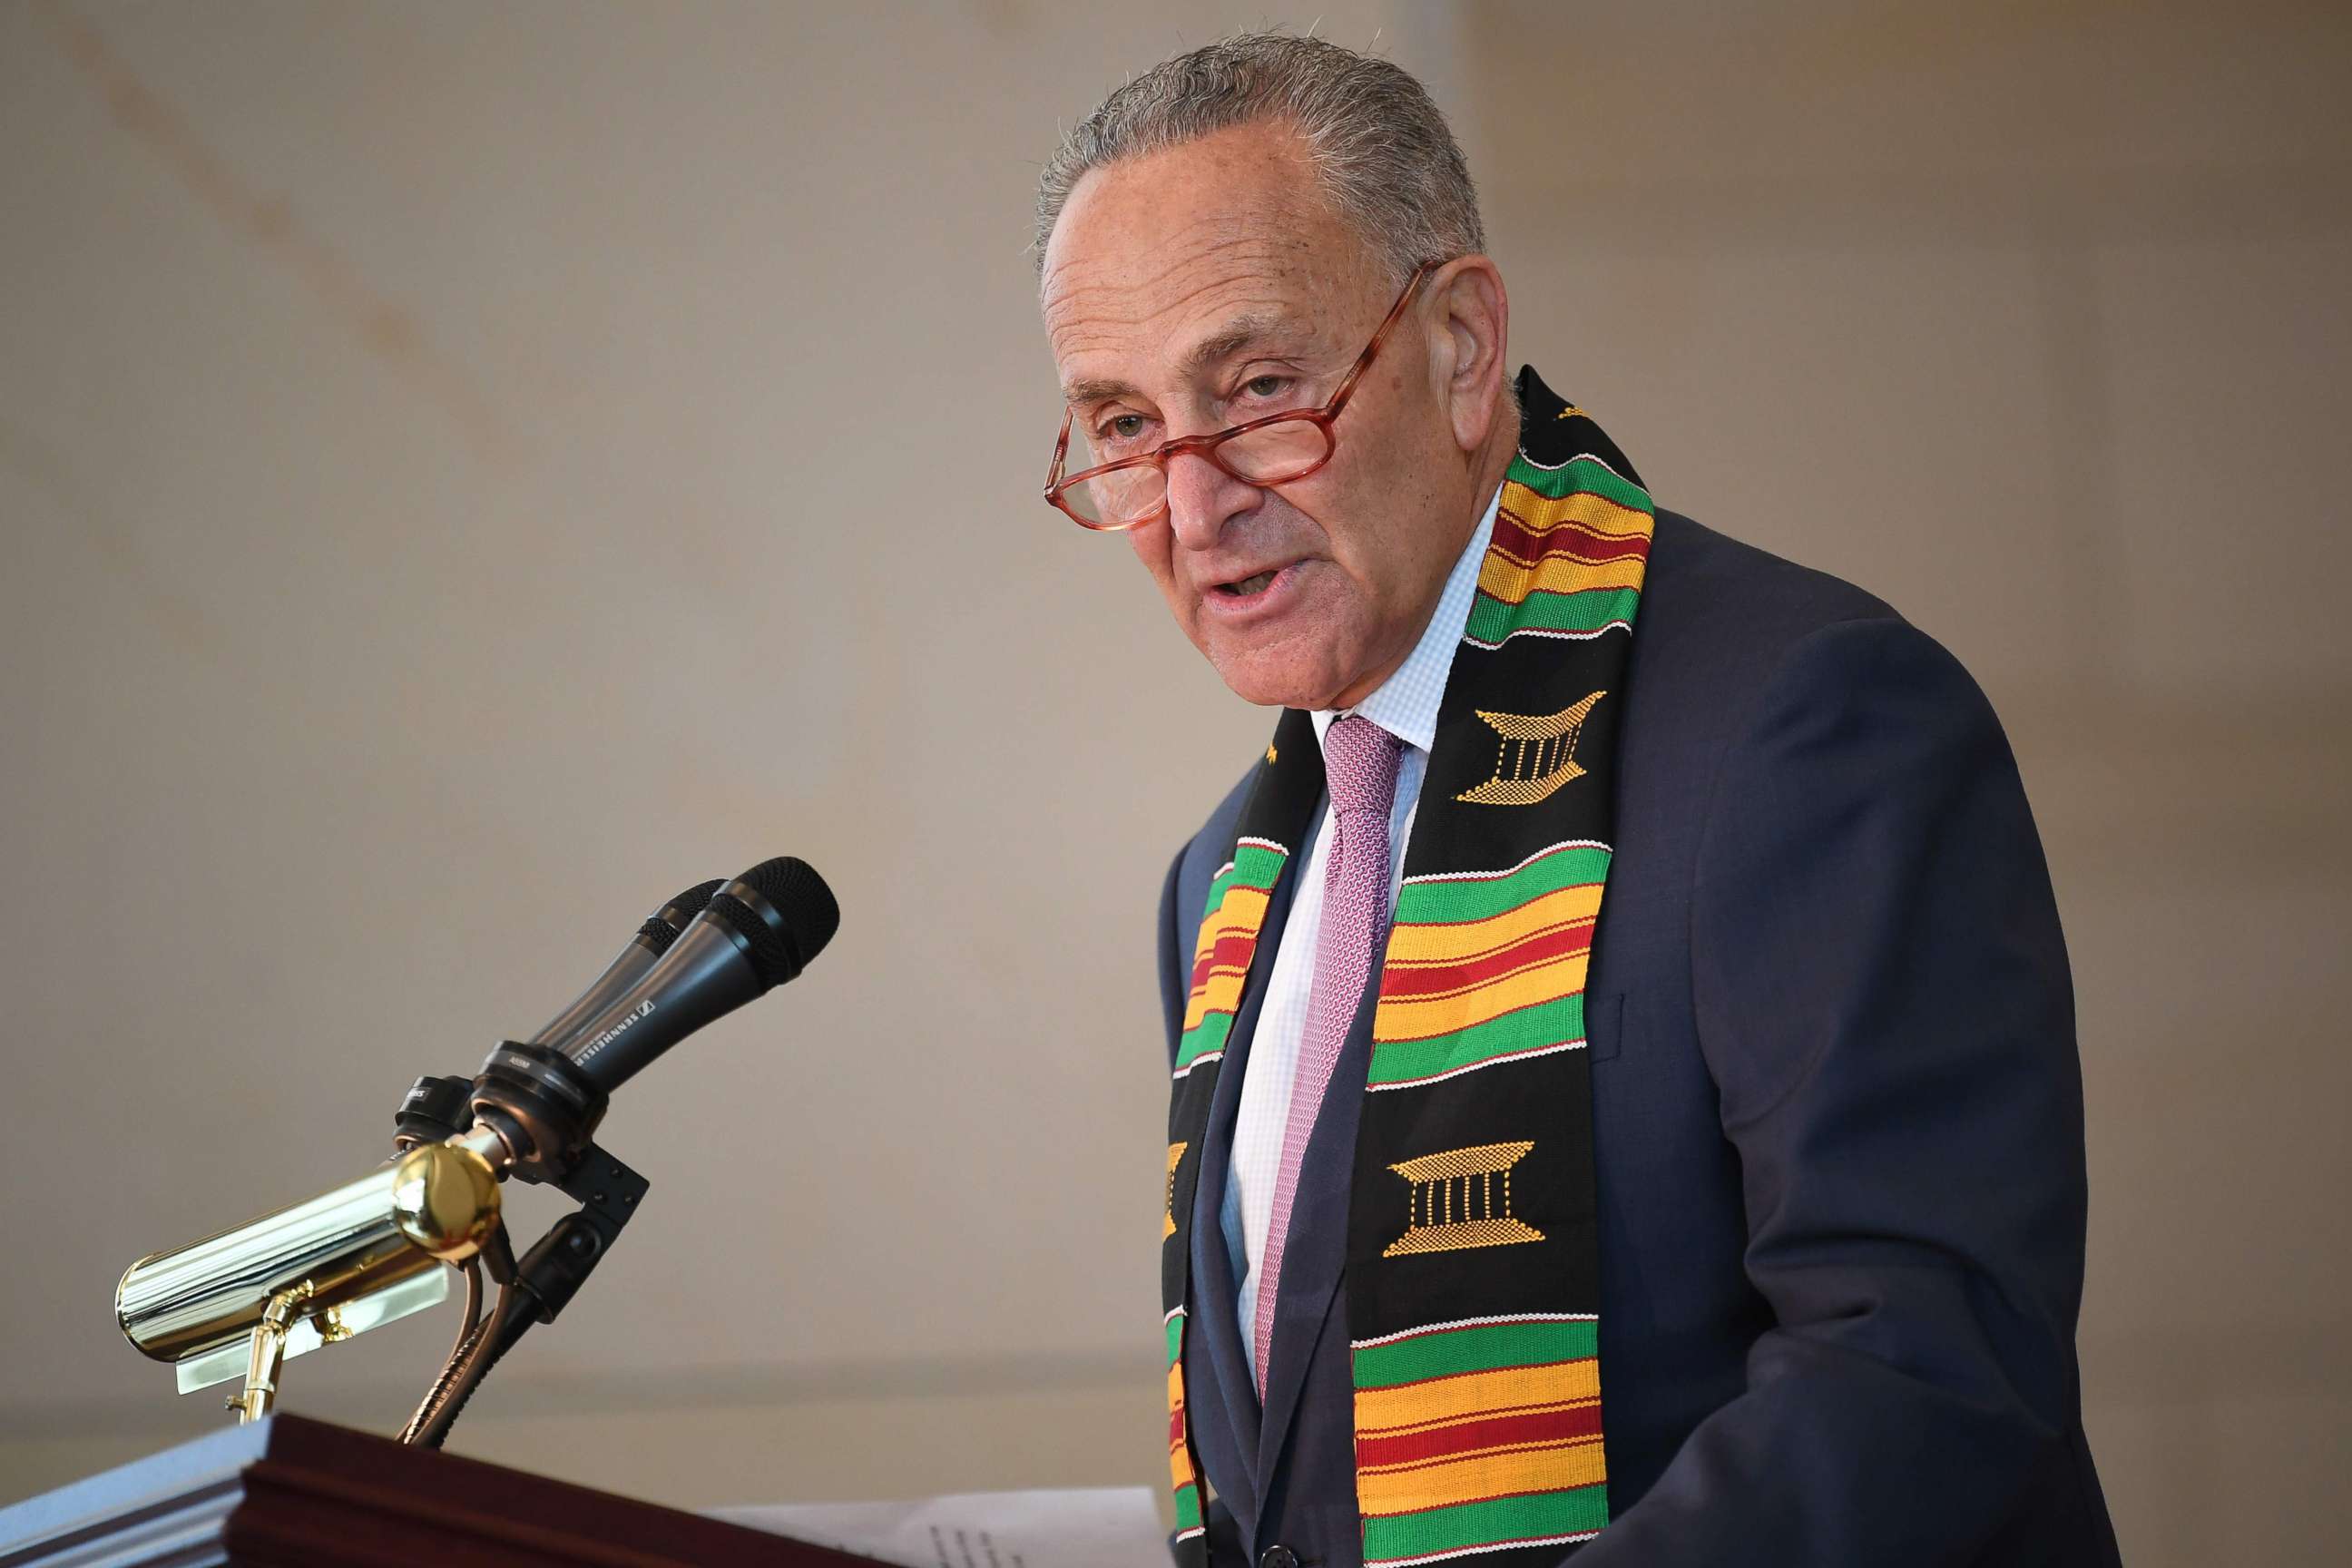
[1075, 1527]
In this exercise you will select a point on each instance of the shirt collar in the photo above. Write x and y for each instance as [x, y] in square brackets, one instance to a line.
[1406, 703]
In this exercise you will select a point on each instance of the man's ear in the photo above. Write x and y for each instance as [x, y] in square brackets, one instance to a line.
[1469, 329]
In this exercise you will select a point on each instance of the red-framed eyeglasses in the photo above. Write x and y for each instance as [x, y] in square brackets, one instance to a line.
[1276, 451]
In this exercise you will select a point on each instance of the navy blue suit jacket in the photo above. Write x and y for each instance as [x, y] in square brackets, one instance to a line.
[1838, 1113]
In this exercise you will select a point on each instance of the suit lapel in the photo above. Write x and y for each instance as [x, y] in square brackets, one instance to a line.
[1215, 1294]
[1316, 1255]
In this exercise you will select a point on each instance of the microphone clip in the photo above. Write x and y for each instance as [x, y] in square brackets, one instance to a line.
[434, 1112]
[552, 1271]
[608, 1192]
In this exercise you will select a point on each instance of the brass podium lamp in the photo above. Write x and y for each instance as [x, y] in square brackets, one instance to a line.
[365, 1254]
[375, 1249]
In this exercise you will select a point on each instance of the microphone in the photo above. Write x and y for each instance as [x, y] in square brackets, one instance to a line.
[435, 1108]
[760, 931]
[652, 939]
[541, 1103]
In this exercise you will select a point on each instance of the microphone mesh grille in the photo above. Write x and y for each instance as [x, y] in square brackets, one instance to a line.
[771, 955]
[799, 895]
[659, 934]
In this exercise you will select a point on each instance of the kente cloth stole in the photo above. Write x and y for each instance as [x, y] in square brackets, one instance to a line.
[1473, 1276]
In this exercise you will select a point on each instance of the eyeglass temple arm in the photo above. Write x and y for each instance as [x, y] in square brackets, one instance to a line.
[1373, 349]
[1061, 451]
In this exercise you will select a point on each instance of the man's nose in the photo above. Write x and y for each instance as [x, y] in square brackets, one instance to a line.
[1203, 497]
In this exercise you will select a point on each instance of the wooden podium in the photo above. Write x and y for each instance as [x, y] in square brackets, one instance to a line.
[287, 1492]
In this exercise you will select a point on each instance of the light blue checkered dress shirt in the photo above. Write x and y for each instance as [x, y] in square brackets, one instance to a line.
[1405, 705]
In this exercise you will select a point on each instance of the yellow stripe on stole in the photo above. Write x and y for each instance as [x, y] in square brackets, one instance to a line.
[1466, 940]
[1221, 993]
[1539, 513]
[1242, 910]
[1180, 1451]
[1468, 1480]
[1502, 578]
[1242, 913]
[1444, 1400]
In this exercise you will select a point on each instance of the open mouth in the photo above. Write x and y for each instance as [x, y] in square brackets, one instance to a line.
[1258, 583]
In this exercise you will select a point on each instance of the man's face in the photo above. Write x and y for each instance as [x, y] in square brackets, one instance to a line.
[1211, 284]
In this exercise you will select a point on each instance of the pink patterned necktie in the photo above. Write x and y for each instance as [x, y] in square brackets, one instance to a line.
[1359, 770]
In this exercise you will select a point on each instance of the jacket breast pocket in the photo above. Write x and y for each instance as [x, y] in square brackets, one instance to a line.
[1605, 1026]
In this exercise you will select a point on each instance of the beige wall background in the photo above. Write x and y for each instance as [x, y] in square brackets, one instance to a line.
[470, 470]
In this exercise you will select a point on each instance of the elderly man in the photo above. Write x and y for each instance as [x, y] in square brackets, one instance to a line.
[1630, 967]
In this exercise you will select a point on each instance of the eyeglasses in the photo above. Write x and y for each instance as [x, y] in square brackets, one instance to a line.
[1276, 451]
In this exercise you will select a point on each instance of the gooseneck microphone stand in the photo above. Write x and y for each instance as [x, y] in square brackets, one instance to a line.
[544, 1110]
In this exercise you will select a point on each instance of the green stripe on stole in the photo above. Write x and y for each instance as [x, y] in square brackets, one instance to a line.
[1458, 898]
[1485, 1348]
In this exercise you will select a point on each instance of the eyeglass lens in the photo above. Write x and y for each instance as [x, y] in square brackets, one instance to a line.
[1267, 456]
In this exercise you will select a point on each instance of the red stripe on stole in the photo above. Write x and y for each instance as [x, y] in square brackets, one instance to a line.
[1471, 1437]
[1232, 951]
[1176, 1427]
[1406, 981]
[1514, 537]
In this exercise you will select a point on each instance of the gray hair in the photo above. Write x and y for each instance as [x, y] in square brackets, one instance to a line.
[1384, 154]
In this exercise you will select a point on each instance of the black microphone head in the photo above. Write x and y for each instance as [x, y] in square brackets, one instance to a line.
[784, 913]
[661, 927]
